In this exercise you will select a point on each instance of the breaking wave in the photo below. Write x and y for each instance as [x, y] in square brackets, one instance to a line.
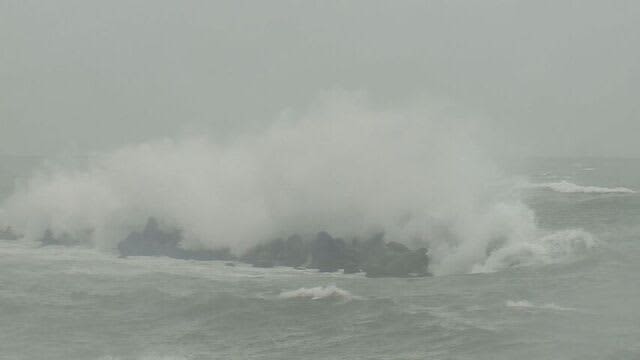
[551, 248]
[317, 293]
[524, 304]
[342, 168]
[568, 187]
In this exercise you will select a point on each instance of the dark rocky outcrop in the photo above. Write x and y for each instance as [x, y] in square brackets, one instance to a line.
[396, 260]
[153, 241]
[48, 238]
[323, 252]
[327, 254]
[8, 234]
[291, 252]
[373, 256]
[63, 238]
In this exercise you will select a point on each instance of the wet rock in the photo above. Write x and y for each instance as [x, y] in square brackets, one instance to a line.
[263, 263]
[259, 256]
[327, 253]
[292, 252]
[49, 239]
[218, 254]
[8, 234]
[153, 241]
[64, 238]
[351, 259]
[396, 260]
[397, 247]
[296, 252]
[351, 268]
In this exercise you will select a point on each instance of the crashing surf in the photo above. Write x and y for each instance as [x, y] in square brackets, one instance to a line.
[571, 188]
[318, 293]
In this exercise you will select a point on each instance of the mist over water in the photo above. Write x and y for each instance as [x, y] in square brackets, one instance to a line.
[344, 167]
[319, 180]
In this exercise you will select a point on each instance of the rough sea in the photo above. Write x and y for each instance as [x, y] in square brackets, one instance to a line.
[77, 302]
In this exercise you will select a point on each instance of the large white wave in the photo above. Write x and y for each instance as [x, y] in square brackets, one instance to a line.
[343, 168]
[318, 292]
[547, 249]
[568, 187]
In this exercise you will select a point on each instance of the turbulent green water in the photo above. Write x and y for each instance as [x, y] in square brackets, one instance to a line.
[79, 303]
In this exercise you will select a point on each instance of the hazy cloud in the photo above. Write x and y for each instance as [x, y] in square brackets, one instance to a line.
[544, 77]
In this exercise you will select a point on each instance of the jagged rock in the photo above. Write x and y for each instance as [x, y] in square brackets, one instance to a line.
[397, 247]
[218, 254]
[324, 253]
[153, 241]
[263, 263]
[8, 234]
[259, 256]
[291, 252]
[327, 253]
[396, 260]
[351, 259]
[296, 252]
[351, 268]
[49, 239]
[418, 262]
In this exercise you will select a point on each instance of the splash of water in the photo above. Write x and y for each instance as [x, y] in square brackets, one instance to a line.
[317, 293]
[343, 168]
[568, 187]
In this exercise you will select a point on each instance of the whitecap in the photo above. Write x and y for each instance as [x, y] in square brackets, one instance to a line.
[147, 357]
[568, 187]
[556, 247]
[317, 293]
[524, 304]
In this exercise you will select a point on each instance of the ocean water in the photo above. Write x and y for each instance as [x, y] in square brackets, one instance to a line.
[77, 302]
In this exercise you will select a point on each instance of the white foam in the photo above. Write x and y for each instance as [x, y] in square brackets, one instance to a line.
[524, 304]
[343, 168]
[147, 357]
[568, 187]
[317, 293]
[555, 247]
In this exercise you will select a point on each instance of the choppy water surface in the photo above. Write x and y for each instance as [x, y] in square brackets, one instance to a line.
[80, 303]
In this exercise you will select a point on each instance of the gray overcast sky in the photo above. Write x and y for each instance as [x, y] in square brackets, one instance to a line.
[549, 77]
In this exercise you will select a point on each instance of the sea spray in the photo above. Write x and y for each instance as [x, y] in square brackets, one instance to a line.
[525, 304]
[568, 187]
[343, 168]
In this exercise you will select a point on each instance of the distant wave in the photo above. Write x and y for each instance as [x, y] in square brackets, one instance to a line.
[318, 292]
[528, 305]
[568, 187]
[147, 357]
